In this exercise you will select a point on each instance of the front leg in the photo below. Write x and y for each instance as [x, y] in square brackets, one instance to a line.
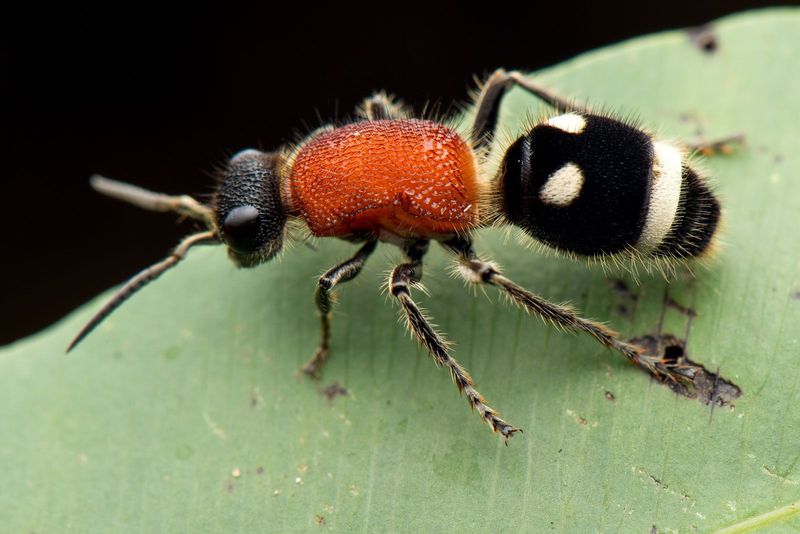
[343, 272]
[403, 277]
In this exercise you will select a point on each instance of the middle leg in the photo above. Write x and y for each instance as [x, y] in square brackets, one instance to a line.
[403, 277]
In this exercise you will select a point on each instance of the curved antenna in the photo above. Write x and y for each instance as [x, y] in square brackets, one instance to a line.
[142, 279]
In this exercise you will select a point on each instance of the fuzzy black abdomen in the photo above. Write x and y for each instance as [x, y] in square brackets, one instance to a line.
[580, 183]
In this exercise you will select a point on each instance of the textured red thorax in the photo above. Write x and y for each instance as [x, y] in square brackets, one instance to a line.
[408, 177]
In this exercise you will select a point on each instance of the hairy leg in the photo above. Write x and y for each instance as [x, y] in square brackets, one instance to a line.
[405, 276]
[475, 270]
[381, 106]
[488, 104]
[722, 145]
[343, 272]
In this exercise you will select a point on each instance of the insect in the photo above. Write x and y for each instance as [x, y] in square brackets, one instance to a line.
[582, 183]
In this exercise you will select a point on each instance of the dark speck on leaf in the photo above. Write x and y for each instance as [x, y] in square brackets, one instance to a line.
[704, 38]
[622, 289]
[333, 391]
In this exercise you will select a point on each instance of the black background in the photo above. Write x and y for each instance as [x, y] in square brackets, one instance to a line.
[161, 97]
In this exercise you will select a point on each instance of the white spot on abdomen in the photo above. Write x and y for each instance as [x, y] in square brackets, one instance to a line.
[563, 186]
[665, 194]
[569, 122]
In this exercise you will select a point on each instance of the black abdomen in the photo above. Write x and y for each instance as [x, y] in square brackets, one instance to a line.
[607, 212]
[593, 185]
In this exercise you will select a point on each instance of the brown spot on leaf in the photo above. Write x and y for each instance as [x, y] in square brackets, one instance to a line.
[256, 399]
[620, 287]
[333, 391]
[624, 309]
[580, 419]
[796, 295]
[319, 520]
[685, 376]
[259, 470]
[610, 396]
[664, 487]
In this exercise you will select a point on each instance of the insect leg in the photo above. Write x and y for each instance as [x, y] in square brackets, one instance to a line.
[380, 106]
[475, 270]
[343, 272]
[142, 279]
[722, 145]
[149, 200]
[488, 103]
[402, 278]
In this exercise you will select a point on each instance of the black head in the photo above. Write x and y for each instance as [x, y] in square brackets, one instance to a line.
[248, 208]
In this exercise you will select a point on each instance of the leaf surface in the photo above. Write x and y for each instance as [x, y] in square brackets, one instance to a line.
[184, 412]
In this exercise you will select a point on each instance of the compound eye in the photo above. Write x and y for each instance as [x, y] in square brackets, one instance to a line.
[241, 229]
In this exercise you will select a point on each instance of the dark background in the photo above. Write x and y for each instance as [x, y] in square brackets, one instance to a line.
[162, 97]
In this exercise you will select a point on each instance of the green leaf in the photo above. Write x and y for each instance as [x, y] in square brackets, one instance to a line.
[185, 412]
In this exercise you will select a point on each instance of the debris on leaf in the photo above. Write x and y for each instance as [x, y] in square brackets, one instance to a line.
[685, 376]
